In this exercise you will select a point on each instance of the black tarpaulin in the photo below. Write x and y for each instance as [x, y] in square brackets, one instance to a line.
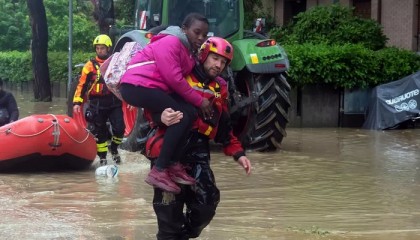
[393, 103]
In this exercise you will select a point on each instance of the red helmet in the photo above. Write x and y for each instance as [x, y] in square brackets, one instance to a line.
[218, 46]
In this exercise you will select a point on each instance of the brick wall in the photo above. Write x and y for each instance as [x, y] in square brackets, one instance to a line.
[399, 23]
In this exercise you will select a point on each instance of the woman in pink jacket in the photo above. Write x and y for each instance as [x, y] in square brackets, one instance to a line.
[154, 80]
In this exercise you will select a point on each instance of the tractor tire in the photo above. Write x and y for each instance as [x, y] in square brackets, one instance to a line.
[261, 125]
[136, 140]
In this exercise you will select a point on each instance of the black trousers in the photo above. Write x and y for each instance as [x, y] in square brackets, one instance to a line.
[155, 101]
[116, 119]
[201, 199]
[99, 112]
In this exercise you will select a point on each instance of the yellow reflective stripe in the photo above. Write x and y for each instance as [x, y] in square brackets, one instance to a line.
[86, 70]
[214, 88]
[208, 131]
[116, 140]
[77, 99]
[191, 82]
[199, 86]
[102, 147]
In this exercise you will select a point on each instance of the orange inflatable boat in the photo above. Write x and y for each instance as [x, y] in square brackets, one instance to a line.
[44, 143]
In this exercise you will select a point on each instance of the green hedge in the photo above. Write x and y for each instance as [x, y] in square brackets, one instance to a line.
[333, 25]
[17, 66]
[348, 66]
[345, 66]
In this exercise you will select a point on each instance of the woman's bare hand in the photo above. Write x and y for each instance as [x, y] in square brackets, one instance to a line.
[170, 117]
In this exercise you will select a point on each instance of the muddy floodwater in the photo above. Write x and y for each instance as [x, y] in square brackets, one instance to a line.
[327, 183]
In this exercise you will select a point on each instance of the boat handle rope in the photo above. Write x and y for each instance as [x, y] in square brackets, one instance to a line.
[82, 141]
[56, 133]
[9, 131]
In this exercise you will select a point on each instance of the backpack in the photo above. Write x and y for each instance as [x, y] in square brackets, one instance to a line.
[154, 143]
[116, 65]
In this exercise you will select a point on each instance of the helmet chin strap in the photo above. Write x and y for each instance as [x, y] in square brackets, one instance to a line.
[104, 57]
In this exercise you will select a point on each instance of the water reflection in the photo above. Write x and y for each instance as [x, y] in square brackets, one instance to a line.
[27, 107]
[358, 181]
[323, 184]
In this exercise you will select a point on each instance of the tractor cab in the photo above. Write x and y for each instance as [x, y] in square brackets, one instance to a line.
[224, 16]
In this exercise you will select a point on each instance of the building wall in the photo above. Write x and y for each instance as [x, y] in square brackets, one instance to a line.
[268, 5]
[314, 3]
[314, 112]
[399, 23]
[278, 13]
[376, 6]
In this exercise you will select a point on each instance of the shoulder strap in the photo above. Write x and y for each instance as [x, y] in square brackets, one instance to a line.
[95, 64]
[98, 74]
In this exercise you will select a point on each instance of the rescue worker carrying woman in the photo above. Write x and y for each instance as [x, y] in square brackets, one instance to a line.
[199, 201]
[103, 105]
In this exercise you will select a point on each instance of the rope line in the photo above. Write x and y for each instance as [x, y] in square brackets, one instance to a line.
[28, 135]
[72, 138]
[9, 131]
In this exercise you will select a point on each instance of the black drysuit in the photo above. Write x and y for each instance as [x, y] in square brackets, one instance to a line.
[201, 199]
[9, 111]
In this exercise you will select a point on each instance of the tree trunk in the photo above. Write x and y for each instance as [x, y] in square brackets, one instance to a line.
[104, 14]
[39, 47]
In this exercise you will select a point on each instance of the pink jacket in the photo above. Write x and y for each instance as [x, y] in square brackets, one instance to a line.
[169, 61]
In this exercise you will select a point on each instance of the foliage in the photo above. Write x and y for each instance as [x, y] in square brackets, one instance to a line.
[251, 15]
[16, 31]
[348, 66]
[325, 45]
[14, 25]
[84, 28]
[395, 63]
[59, 71]
[252, 9]
[332, 24]
[124, 12]
[17, 66]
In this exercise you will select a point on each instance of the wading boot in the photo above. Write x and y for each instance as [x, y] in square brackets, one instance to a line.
[116, 157]
[103, 162]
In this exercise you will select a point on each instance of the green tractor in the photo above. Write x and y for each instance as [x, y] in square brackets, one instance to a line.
[259, 92]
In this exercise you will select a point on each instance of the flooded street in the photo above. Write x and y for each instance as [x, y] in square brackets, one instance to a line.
[327, 183]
